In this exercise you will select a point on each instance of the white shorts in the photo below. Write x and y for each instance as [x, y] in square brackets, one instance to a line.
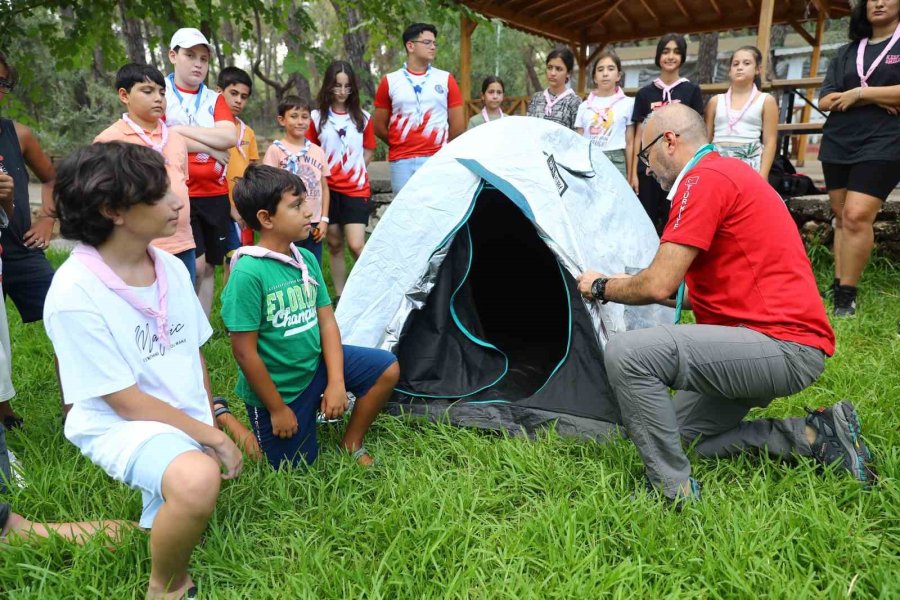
[148, 464]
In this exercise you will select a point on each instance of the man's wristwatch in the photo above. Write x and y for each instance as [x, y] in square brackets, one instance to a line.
[598, 289]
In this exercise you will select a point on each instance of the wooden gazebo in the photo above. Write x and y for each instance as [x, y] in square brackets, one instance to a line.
[588, 26]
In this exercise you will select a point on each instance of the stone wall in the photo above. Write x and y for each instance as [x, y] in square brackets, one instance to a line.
[813, 217]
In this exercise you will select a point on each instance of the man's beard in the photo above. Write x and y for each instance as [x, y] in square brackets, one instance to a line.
[664, 182]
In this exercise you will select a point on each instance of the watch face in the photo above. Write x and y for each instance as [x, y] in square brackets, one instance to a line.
[597, 289]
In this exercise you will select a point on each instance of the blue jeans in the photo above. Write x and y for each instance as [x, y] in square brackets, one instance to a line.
[362, 368]
[189, 258]
[402, 170]
[311, 245]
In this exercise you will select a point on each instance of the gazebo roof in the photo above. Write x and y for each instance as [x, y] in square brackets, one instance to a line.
[610, 21]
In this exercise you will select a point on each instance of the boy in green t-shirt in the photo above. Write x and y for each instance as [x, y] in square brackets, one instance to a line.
[284, 335]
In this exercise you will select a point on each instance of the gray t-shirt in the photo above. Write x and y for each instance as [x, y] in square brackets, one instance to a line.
[863, 133]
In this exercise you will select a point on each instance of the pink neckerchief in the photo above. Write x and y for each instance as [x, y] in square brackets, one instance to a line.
[604, 110]
[860, 54]
[295, 260]
[487, 119]
[89, 256]
[146, 138]
[733, 120]
[548, 108]
[667, 89]
[240, 143]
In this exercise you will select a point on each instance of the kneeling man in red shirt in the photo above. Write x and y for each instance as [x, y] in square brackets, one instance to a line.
[761, 328]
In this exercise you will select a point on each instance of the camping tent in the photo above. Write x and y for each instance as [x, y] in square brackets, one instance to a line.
[469, 279]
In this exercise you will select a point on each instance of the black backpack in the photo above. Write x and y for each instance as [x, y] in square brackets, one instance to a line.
[787, 182]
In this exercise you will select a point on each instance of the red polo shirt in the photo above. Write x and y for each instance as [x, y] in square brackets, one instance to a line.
[752, 269]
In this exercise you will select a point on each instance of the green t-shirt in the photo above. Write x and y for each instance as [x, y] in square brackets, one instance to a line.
[268, 296]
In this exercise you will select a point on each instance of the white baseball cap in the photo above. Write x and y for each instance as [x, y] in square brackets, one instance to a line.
[188, 37]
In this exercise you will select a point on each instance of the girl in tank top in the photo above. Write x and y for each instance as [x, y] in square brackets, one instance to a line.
[743, 122]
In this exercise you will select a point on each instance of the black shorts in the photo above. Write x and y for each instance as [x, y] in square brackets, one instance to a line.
[876, 178]
[344, 209]
[26, 280]
[210, 223]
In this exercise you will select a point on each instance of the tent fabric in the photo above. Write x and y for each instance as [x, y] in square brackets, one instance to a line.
[470, 279]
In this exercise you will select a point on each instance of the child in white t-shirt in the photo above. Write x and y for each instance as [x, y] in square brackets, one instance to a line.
[127, 328]
[605, 117]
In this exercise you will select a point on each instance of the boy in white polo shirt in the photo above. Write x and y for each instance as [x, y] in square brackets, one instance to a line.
[418, 108]
[127, 328]
[202, 116]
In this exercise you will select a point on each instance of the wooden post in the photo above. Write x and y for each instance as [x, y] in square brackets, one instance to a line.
[466, 27]
[764, 37]
[813, 72]
[581, 54]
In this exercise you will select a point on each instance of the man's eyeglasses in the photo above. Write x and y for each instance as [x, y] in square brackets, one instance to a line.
[644, 154]
[6, 86]
[429, 43]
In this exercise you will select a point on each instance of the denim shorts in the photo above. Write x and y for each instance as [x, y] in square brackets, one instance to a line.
[147, 466]
[362, 368]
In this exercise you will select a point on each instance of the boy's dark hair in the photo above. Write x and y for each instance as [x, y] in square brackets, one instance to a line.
[859, 22]
[680, 43]
[416, 29]
[233, 75]
[114, 176]
[12, 76]
[292, 102]
[132, 74]
[261, 188]
[563, 54]
[326, 95]
[489, 80]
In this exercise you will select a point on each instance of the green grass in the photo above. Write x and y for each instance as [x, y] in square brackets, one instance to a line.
[455, 513]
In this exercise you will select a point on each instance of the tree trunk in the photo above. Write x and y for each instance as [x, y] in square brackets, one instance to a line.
[356, 41]
[148, 38]
[534, 82]
[707, 56]
[134, 36]
[229, 35]
[292, 38]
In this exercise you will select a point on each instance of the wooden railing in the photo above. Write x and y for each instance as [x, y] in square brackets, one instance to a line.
[790, 131]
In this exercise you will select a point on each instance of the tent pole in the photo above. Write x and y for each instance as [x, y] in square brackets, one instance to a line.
[466, 27]
[813, 71]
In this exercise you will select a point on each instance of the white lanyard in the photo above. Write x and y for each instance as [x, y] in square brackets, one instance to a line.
[293, 160]
[417, 88]
[192, 116]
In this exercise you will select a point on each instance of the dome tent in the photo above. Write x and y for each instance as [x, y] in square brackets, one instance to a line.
[469, 279]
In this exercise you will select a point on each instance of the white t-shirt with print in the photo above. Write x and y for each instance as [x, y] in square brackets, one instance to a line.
[104, 345]
[605, 122]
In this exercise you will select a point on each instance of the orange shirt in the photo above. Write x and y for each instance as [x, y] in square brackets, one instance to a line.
[240, 156]
[176, 155]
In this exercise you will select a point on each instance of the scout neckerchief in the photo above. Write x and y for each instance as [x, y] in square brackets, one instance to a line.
[667, 89]
[732, 119]
[860, 54]
[417, 88]
[701, 152]
[92, 259]
[486, 116]
[242, 130]
[295, 260]
[191, 114]
[549, 104]
[603, 111]
[146, 138]
[293, 160]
